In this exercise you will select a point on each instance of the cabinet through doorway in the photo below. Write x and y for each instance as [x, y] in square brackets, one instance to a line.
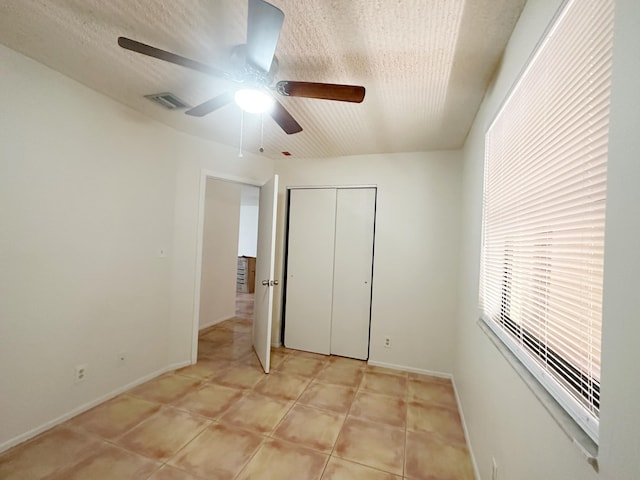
[329, 270]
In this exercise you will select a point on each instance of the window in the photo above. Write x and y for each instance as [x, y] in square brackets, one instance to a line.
[544, 209]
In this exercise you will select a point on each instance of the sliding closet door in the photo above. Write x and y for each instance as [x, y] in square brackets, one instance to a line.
[353, 257]
[310, 270]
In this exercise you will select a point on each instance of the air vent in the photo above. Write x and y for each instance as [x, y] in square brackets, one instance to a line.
[167, 100]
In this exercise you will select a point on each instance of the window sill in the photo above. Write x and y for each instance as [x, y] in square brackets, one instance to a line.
[579, 438]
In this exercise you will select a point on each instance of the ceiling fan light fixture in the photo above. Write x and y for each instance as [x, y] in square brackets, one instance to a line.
[252, 100]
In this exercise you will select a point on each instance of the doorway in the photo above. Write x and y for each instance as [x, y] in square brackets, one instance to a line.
[247, 251]
[216, 297]
[229, 246]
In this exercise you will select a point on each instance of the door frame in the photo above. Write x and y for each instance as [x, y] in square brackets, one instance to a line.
[204, 175]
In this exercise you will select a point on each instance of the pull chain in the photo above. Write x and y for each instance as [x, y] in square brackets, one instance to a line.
[241, 128]
[262, 133]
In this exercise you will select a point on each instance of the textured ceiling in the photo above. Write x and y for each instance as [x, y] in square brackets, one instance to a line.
[425, 64]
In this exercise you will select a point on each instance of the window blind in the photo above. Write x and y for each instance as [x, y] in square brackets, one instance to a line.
[544, 209]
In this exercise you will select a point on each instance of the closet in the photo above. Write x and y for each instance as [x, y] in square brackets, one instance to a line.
[329, 270]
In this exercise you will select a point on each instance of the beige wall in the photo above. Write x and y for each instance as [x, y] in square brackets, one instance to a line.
[90, 192]
[219, 252]
[504, 419]
[416, 249]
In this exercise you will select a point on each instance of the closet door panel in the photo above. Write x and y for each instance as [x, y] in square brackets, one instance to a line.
[353, 258]
[310, 270]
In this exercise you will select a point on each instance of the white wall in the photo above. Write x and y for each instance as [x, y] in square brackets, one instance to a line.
[248, 242]
[416, 249]
[504, 419]
[219, 247]
[90, 191]
[86, 200]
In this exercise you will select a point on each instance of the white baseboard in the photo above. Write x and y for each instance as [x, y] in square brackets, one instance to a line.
[12, 442]
[410, 369]
[466, 431]
[214, 322]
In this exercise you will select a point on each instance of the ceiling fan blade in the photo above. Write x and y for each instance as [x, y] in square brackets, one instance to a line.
[285, 119]
[264, 23]
[154, 52]
[325, 91]
[211, 105]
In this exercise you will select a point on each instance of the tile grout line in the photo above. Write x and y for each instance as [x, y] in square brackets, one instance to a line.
[406, 430]
[293, 404]
[344, 421]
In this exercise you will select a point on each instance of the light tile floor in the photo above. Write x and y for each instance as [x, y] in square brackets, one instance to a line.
[312, 417]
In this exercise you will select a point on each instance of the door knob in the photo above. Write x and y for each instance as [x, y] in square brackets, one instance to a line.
[265, 283]
[275, 282]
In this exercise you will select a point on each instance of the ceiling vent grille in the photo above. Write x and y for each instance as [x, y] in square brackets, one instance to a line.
[167, 100]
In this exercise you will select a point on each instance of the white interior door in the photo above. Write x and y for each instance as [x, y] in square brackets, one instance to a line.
[310, 270]
[353, 257]
[265, 271]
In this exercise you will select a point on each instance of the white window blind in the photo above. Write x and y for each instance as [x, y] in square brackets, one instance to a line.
[544, 209]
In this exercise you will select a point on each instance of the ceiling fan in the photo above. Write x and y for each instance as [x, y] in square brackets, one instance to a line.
[253, 66]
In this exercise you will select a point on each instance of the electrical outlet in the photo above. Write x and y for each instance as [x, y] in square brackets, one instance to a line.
[387, 342]
[81, 373]
[494, 469]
